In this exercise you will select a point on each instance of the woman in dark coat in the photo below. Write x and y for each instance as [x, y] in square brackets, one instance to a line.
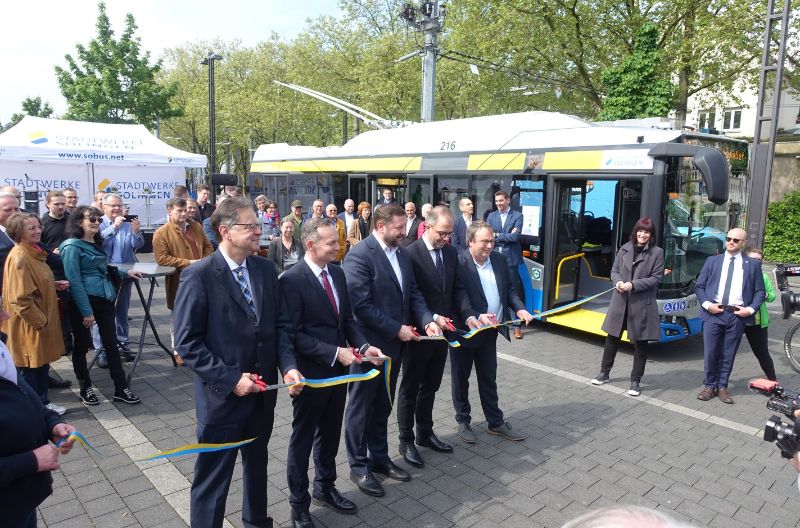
[287, 250]
[636, 274]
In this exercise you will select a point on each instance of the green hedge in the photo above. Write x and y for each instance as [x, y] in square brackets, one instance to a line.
[782, 233]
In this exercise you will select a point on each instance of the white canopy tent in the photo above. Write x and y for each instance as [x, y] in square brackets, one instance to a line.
[41, 155]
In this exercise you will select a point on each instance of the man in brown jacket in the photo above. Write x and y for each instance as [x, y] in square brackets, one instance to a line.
[178, 243]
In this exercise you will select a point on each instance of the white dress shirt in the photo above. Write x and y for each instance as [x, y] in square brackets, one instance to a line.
[409, 223]
[735, 297]
[233, 265]
[503, 217]
[489, 285]
[391, 254]
[432, 253]
[349, 219]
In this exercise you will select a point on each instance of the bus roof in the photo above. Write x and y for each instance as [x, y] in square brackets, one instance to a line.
[508, 132]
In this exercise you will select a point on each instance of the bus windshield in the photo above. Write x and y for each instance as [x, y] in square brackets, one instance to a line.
[694, 228]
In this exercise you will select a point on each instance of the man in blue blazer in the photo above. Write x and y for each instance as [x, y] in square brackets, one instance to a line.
[507, 227]
[462, 222]
[730, 290]
[232, 329]
[322, 317]
[387, 304]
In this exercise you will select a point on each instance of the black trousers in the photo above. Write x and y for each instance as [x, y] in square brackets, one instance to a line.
[423, 367]
[317, 425]
[64, 300]
[213, 471]
[482, 352]
[639, 357]
[367, 416]
[758, 339]
[104, 317]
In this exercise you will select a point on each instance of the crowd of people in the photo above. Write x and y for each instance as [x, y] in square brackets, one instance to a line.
[338, 293]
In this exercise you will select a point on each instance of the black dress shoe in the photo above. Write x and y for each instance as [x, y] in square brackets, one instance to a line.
[434, 443]
[368, 484]
[302, 519]
[57, 384]
[411, 455]
[334, 500]
[392, 471]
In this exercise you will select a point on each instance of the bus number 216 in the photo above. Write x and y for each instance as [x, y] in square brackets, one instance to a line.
[448, 145]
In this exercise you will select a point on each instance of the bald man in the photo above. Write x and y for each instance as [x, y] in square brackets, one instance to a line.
[730, 290]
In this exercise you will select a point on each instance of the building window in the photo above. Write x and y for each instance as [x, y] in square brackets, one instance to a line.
[732, 119]
[707, 119]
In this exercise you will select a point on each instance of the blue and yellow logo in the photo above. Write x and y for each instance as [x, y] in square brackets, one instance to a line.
[104, 185]
[38, 138]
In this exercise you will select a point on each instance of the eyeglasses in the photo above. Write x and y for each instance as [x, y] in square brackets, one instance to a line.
[250, 227]
[443, 234]
[92, 219]
[485, 242]
[734, 240]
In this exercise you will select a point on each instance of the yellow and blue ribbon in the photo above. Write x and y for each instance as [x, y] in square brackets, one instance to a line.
[338, 380]
[78, 437]
[191, 449]
[539, 315]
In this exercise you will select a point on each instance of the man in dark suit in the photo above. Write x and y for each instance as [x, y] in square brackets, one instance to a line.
[434, 262]
[323, 326]
[388, 198]
[412, 224]
[232, 289]
[490, 293]
[462, 222]
[730, 290]
[507, 226]
[385, 301]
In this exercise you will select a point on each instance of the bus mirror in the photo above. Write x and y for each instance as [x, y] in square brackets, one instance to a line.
[714, 167]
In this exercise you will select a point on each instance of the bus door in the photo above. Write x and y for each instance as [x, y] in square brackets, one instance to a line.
[419, 189]
[357, 188]
[569, 208]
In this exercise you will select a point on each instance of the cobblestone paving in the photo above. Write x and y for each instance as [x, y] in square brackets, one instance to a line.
[703, 462]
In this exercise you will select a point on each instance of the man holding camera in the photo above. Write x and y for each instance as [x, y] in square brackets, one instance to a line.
[730, 290]
[122, 236]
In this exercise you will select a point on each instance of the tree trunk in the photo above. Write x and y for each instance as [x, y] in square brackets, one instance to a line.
[685, 70]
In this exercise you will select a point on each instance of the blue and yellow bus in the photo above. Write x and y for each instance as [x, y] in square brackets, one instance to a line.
[580, 187]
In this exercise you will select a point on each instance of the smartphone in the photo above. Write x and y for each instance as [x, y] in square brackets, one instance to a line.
[131, 218]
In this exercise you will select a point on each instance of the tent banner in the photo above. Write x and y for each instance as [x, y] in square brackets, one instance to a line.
[138, 186]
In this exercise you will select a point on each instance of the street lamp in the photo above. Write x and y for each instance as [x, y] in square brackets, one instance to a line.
[209, 61]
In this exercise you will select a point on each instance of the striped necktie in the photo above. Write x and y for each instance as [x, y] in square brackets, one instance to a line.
[248, 296]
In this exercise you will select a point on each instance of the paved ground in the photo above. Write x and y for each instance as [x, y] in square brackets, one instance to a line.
[703, 462]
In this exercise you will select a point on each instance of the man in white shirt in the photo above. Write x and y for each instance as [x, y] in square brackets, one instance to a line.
[348, 216]
[487, 283]
[412, 224]
[730, 289]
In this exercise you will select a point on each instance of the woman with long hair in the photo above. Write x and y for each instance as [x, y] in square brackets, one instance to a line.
[362, 228]
[93, 294]
[29, 297]
[267, 213]
[636, 274]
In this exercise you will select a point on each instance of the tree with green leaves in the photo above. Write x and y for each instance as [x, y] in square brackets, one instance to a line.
[112, 81]
[32, 107]
[638, 87]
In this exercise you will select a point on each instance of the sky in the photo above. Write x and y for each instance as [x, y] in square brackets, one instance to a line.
[35, 35]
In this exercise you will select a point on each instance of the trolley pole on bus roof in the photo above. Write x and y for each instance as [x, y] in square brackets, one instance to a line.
[428, 19]
[770, 80]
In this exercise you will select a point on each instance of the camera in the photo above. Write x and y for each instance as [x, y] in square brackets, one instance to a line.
[783, 401]
[130, 218]
[790, 301]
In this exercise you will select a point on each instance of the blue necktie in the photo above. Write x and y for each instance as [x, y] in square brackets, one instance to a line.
[726, 293]
[245, 288]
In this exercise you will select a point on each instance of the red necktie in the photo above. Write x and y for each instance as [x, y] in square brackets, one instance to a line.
[329, 291]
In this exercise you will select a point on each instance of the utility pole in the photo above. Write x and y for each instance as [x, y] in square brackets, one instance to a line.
[427, 19]
[771, 77]
[212, 135]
